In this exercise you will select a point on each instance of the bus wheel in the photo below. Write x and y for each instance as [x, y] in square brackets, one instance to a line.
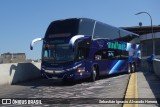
[93, 75]
[129, 68]
[133, 68]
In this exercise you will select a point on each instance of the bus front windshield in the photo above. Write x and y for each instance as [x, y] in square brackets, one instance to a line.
[57, 53]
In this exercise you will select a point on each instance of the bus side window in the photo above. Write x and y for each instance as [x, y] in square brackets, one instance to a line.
[105, 54]
[98, 57]
[124, 55]
[111, 54]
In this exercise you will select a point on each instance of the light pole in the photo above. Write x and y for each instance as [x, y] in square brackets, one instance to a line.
[153, 52]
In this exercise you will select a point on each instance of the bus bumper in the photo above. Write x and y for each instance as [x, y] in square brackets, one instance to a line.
[58, 75]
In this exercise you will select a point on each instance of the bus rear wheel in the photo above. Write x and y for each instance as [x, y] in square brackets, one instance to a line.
[129, 68]
[133, 68]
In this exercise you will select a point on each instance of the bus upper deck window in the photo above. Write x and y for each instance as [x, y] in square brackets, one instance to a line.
[98, 57]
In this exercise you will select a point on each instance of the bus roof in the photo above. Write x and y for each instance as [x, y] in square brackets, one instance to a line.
[96, 29]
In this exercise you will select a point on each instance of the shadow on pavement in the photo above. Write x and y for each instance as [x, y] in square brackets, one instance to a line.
[44, 82]
[58, 82]
[154, 83]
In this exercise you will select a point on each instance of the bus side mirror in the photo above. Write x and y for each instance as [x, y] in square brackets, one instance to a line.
[33, 41]
[73, 39]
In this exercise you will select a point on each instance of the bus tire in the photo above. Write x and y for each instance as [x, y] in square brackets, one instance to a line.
[93, 75]
[129, 68]
[133, 68]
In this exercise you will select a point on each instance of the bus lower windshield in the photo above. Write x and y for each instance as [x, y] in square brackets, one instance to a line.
[57, 53]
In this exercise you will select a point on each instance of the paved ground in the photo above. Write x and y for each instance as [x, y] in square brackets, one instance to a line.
[110, 87]
[148, 87]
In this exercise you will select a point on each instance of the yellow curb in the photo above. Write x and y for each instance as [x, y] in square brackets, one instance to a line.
[132, 90]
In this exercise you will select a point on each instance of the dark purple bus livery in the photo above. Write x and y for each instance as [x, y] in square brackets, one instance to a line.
[79, 48]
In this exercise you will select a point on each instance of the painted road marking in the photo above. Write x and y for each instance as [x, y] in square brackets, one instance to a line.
[132, 90]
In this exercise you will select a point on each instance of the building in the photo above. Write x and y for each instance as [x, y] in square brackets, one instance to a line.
[1, 61]
[143, 29]
[149, 42]
[12, 57]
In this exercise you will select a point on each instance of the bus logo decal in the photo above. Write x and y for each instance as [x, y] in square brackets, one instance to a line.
[117, 45]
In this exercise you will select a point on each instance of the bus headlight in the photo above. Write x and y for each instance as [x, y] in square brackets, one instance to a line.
[81, 69]
[73, 68]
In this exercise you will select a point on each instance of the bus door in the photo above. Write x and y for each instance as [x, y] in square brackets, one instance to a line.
[101, 58]
[82, 57]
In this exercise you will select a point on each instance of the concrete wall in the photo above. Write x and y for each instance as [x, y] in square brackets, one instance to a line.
[156, 67]
[144, 65]
[13, 73]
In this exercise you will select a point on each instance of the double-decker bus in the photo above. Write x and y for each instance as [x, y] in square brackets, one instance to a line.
[79, 48]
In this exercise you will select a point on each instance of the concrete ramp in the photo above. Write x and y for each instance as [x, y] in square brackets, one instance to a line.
[13, 73]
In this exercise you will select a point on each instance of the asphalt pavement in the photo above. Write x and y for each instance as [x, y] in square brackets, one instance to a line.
[87, 93]
[108, 87]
